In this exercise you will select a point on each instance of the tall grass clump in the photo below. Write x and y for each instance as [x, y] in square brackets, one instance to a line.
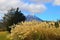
[35, 31]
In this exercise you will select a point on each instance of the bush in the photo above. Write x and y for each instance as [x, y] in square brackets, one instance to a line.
[34, 31]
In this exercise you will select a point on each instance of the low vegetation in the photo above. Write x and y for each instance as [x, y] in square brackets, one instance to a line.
[4, 35]
[35, 31]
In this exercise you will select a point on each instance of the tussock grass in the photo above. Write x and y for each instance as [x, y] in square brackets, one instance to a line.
[35, 31]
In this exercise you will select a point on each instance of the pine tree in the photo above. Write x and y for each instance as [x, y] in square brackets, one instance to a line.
[13, 17]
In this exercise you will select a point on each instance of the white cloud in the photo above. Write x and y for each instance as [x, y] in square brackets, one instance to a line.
[34, 8]
[6, 4]
[57, 2]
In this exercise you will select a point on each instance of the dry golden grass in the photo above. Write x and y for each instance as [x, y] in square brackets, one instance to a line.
[35, 31]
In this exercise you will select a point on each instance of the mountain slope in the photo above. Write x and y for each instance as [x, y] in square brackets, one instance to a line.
[31, 17]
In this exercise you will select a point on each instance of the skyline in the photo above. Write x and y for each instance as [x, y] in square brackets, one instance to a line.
[44, 9]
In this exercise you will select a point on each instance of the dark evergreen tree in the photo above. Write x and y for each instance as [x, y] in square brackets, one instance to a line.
[56, 24]
[13, 17]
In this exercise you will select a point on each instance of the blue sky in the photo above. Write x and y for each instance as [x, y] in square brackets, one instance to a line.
[44, 9]
[52, 13]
